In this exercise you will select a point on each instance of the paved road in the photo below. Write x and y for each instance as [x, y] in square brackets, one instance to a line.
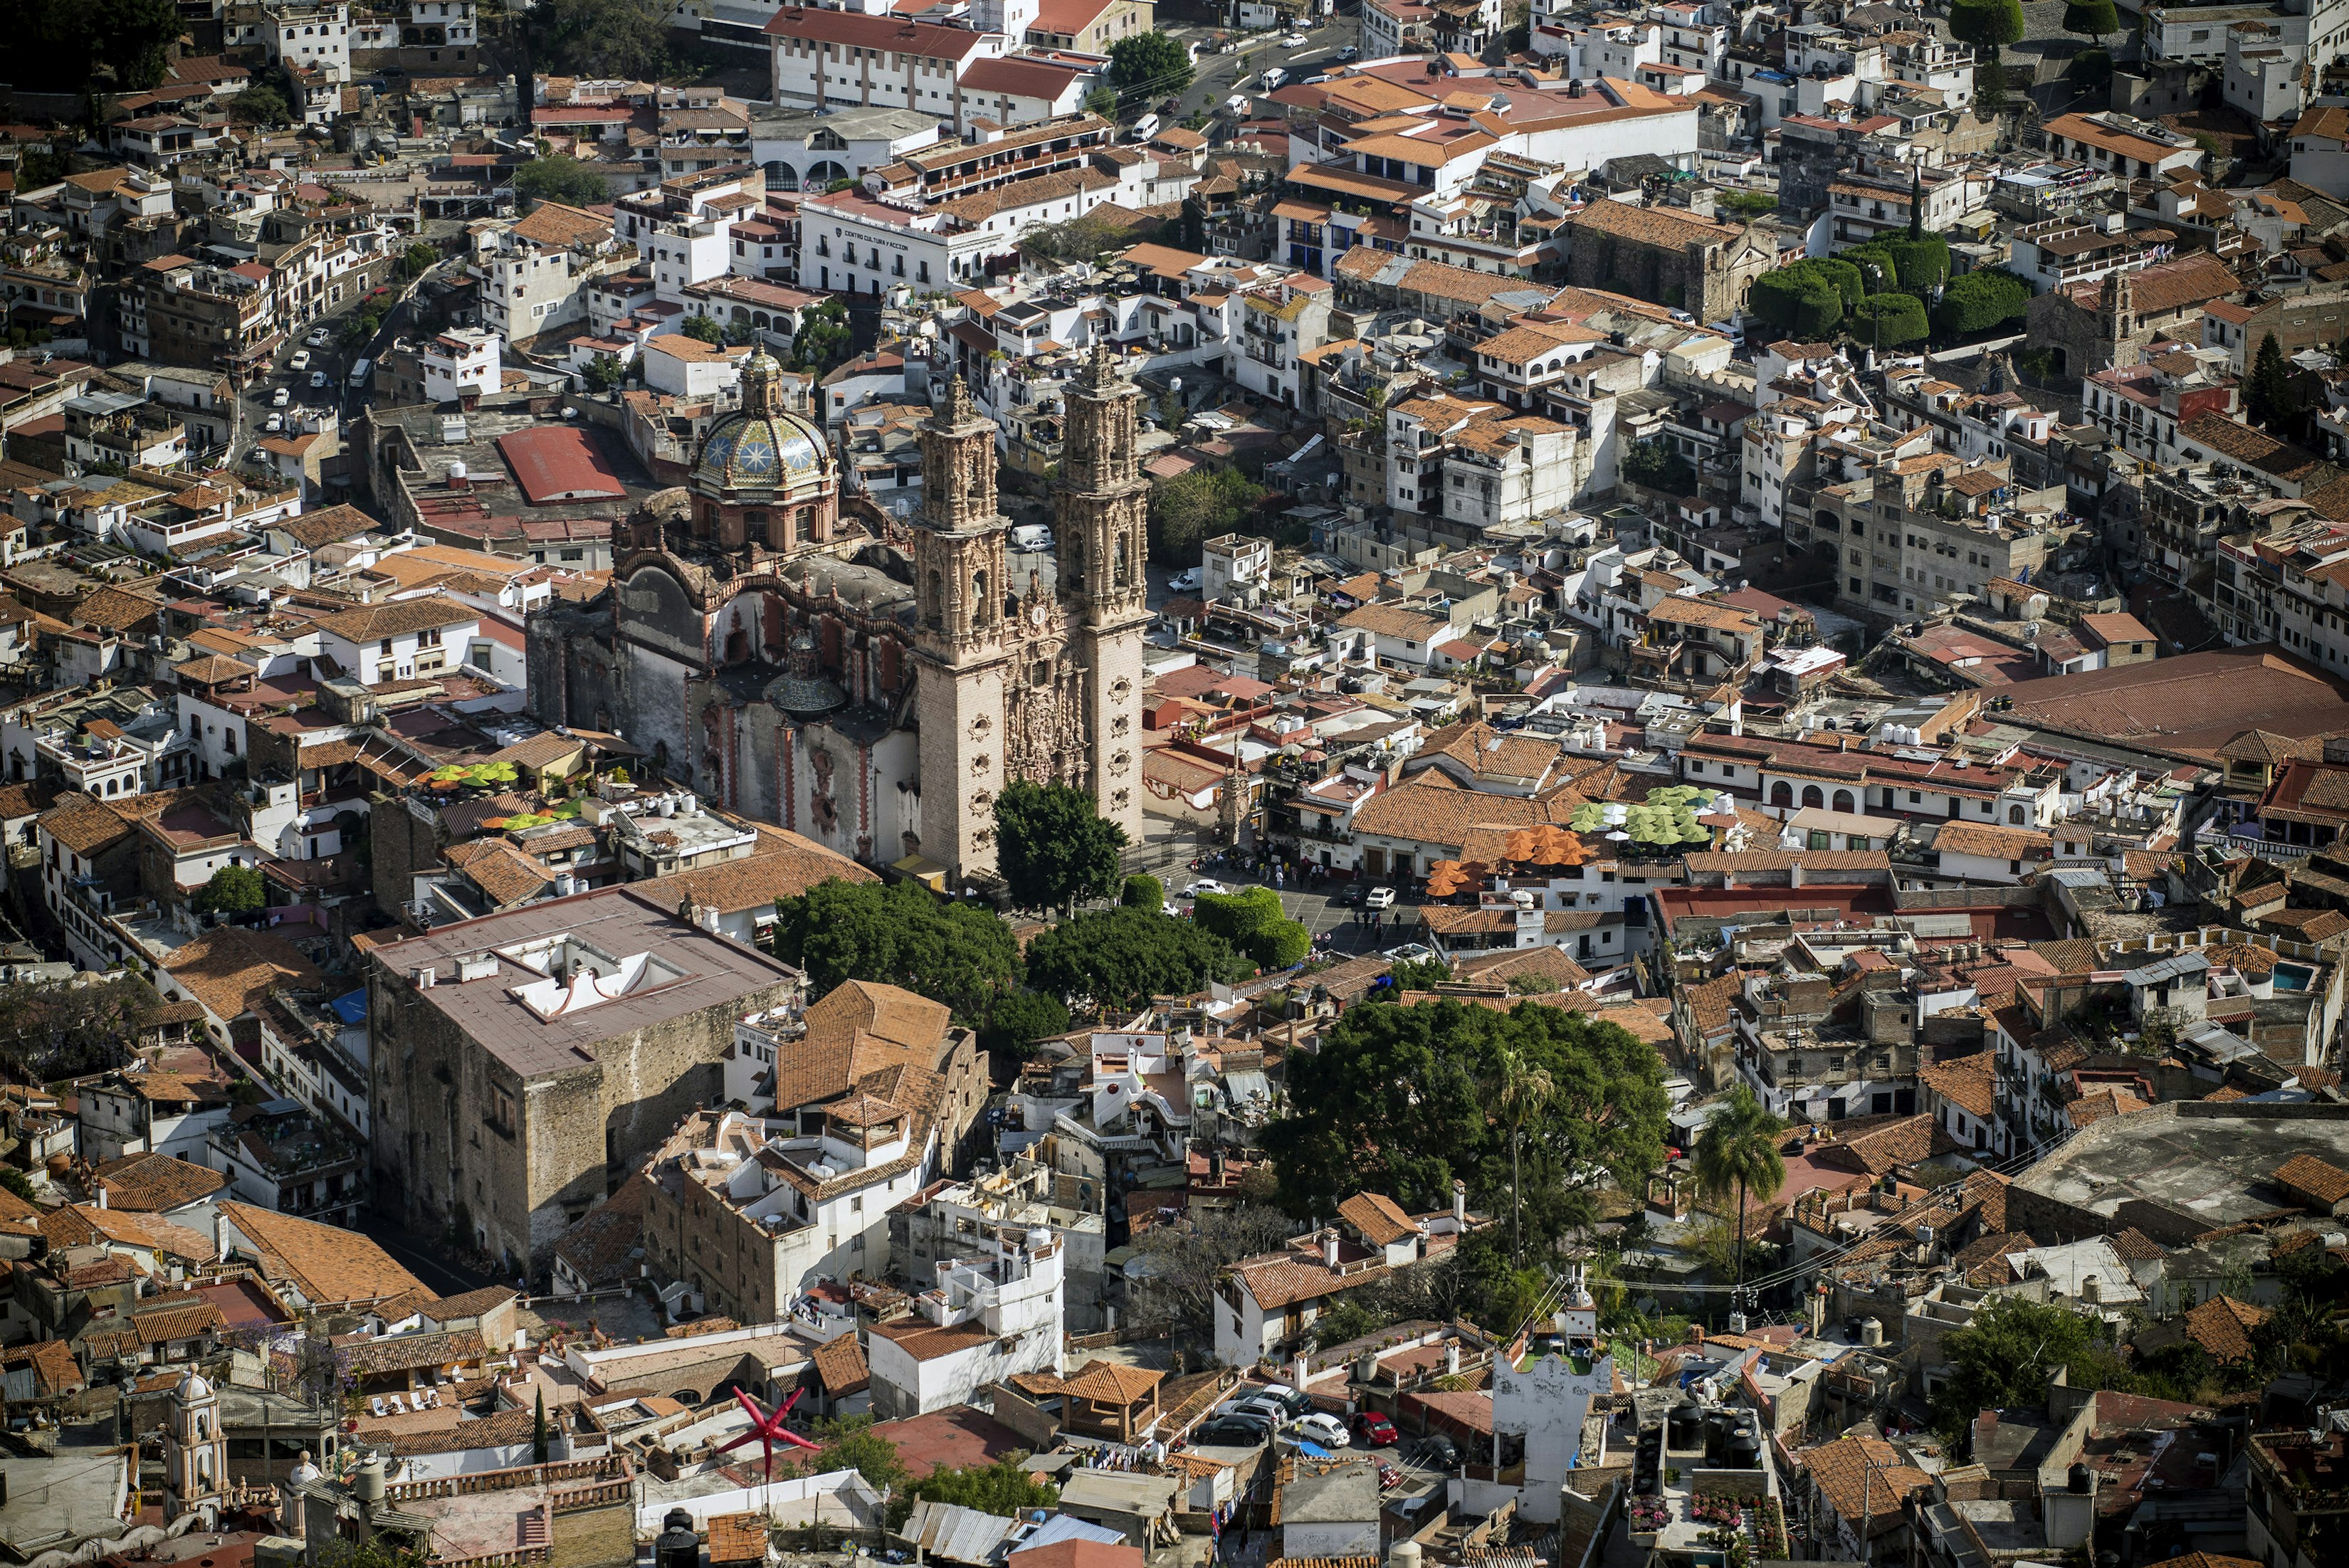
[1257, 50]
[423, 1258]
[1168, 849]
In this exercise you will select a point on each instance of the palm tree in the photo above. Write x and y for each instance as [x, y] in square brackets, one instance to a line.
[1515, 1089]
[1738, 1150]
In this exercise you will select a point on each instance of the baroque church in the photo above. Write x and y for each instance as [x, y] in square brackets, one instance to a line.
[796, 655]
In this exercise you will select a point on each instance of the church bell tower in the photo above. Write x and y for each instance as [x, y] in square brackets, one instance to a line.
[959, 589]
[1100, 506]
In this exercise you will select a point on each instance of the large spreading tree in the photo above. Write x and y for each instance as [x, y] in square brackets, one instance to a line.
[626, 38]
[1117, 957]
[561, 177]
[1054, 849]
[1149, 66]
[1405, 1101]
[899, 934]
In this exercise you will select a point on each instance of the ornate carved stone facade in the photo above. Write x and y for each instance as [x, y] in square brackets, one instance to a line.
[796, 655]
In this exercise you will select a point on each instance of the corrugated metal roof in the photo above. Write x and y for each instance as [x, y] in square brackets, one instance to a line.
[957, 1534]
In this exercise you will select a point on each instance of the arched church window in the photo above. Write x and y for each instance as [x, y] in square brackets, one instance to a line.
[982, 607]
[937, 608]
[806, 534]
[1124, 566]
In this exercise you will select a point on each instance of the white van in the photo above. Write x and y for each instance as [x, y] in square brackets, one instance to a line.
[361, 372]
[1274, 75]
[1033, 539]
[1146, 128]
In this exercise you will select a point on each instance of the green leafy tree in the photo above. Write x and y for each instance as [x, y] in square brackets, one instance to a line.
[1801, 300]
[1149, 66]
[15, 1182]
[1746, 204]
[1425, 1067]
[626, 38]
[234, 889]
[2092, 19]
[1658, 465]
[1889, 320]
[1195, 224]
[1102, 101]
[1003, 1488]
[1253, 922]
[1921, 261]
[1083, 238]
[603, 373]
[1532, 985]
[2007, 1355]
[849, 1442]
[2267, 396]
[1990, 87]
[1188, 511]
[704, 328]
[1514, 1090]
[898, 933]
[538, 1443]
[561, 177]
[1983, 299]
[133, 37]
[417, 260]
[1121, 956]
[823, 339]
[1878, 270]
[2090, 69]
[1737, 1152]
[261, 103]
[1987, 23]
[378, 1553]
[1020, 1018]
[1143, 891]
[1420, 973]
[1053, 847]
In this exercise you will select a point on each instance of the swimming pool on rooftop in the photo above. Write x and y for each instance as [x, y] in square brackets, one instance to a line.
[2290, 977]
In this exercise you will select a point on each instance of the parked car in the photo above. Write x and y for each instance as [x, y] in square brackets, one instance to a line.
[1295, 41]
[1348, 53]
[1286, 1397]
[1205, 885]
[279, 398]
[275, 423]
[1237, 106]
[1439, 1452]
[1257, 1421]
[320, 337]
[317, 378]
[1226, 1433]
[1374, 1430]
[1184, 582]
[301, 360]
[1379, 898]
[1323, 1428]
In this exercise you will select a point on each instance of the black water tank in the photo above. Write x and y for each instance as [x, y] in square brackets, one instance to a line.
[678, 1546]
[1742, 1453]
[1686, 1424]
[1716, 1435]
[2079, 1479]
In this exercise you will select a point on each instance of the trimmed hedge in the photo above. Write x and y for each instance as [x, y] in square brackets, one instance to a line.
[1981, 300]
[1889, 320]
[1923, 263]
[1876, 267]
[1800, 300]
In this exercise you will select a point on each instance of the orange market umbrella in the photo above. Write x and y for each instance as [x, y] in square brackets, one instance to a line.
[1444, 884]
[1517, 846]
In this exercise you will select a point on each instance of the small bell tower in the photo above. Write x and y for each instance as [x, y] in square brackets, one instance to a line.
[195, 1454]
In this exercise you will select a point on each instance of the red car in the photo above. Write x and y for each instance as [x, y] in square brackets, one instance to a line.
[1374, 1430]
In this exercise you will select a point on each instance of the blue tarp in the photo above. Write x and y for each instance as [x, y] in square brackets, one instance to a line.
[350, 1009]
